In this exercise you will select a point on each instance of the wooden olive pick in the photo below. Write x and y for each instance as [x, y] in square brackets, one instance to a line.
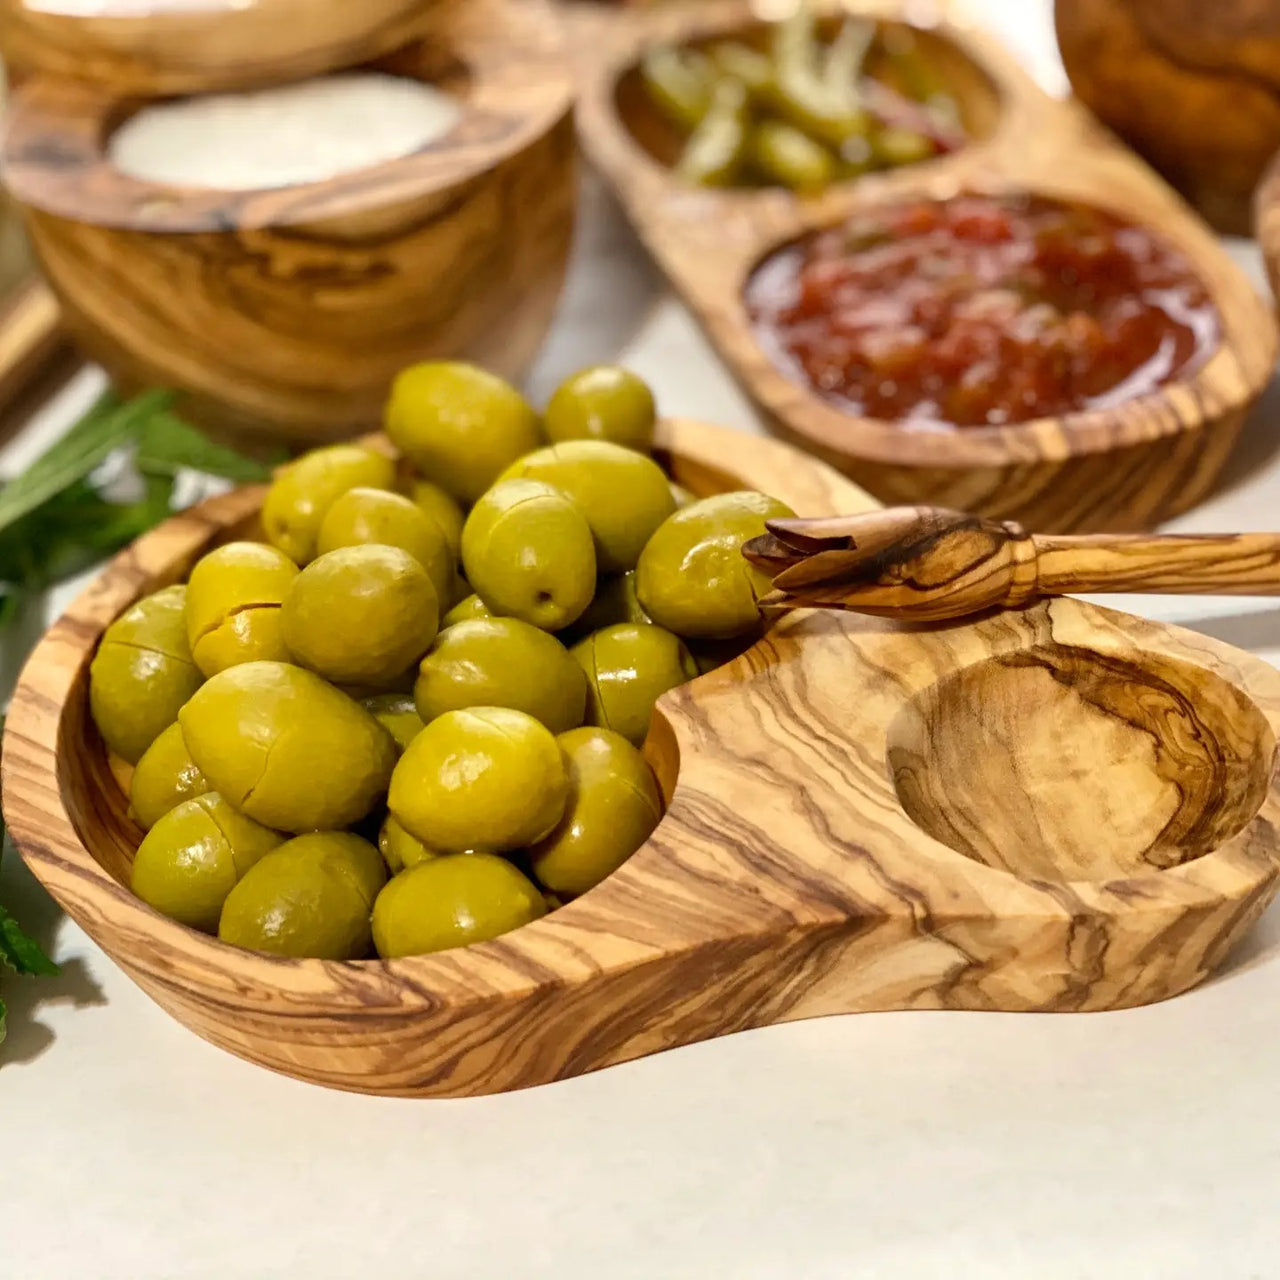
[927, 564]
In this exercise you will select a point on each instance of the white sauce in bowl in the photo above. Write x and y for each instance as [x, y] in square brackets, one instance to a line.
[283, 135]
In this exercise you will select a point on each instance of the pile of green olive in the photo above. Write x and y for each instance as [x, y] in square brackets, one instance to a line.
[794, 110]
[410, 719]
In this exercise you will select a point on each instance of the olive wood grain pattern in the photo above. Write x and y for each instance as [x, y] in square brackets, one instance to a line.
[1120, 468]
[288, 311]
[860, 817]
[30, 335]
[925, 564]
[151, 47]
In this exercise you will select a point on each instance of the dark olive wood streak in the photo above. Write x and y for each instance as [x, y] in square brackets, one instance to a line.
[290, 311]
[1123, 468]
[218, 46]
[842, 835]
[926, 564]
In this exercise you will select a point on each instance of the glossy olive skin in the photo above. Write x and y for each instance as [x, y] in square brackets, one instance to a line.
[288, 748]
[613, 807]
[459, 425]
[692, 577]
[142, 673]
[363, 516]
[165, 777]
[194, 856]
[233, 605]
[605, 402]
[303, 491]
[629, 667]
[615, 601]
[528, 553]
[311, 897]
[399, 849]
[487, 778]
[466, 610]
[451, 902]
[443, 510]
[361, 615]
[396, 713]
[502, 662]
[623, 495]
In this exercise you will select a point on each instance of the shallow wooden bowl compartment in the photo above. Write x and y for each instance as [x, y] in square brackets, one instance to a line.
[223, 44]
[1060, 809]
[290, 310]
[1121, 468]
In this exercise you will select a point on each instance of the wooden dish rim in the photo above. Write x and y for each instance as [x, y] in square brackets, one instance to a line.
[76, 180]
[49, 843]
[1187, 403]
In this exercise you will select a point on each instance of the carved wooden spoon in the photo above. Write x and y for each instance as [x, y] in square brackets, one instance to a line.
[927, 564]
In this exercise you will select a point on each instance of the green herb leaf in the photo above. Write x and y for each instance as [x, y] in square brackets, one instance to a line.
[21, 953]
[166, 444]
[104, 428]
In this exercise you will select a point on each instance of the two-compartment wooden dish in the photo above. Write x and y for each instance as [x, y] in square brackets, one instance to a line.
[1125, 467]
[1058, 809]
[291, 309]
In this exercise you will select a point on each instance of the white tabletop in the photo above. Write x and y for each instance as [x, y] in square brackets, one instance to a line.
[1131, 1145]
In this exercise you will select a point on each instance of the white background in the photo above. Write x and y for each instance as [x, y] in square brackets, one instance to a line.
[1129, 1145]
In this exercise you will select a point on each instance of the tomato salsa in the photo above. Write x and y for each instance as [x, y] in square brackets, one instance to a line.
[981, 311]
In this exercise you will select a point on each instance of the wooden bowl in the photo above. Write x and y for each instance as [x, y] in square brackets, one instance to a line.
[291, 310]
[1110, 469]
[1060, 809]
[150, 47]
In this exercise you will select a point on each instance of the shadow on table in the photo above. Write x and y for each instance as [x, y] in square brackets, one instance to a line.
[41, 918]
[1259, 629]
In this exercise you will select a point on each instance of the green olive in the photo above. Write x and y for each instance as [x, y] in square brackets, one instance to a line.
[628, 668]
[399, 849]
[693, 579]
[233, 605]
[623, 495]
[614, 601]
[452, 902]
[142, 673]
[502, 662]
[488, 778]
[287, 748]
[165, 777]
[303, 492]
[193, 857]
[360, 615]
[528, 553]
[363, 516]
[396, 713]
[443, 510]
[466, 610]
[613, 808]
[459, 425]
[603, 403]
[311, 897]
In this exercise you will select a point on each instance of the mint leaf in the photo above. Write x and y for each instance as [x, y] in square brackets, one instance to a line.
[105, 427]
[20, 952]
[167, 444]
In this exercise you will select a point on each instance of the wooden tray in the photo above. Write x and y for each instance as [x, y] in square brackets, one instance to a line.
[1060, 809]
[1114, 469]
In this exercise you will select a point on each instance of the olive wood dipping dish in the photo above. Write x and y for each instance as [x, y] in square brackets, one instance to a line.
[1112, 469]
[290, 310]
[842, 835]
[154, 47]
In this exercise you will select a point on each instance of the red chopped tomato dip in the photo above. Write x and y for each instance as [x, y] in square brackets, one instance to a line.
[979, 311]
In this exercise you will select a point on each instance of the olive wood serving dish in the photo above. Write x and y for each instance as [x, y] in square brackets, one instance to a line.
[1059, 809]
[290, 310]
[154, 47]
[1121, 468]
